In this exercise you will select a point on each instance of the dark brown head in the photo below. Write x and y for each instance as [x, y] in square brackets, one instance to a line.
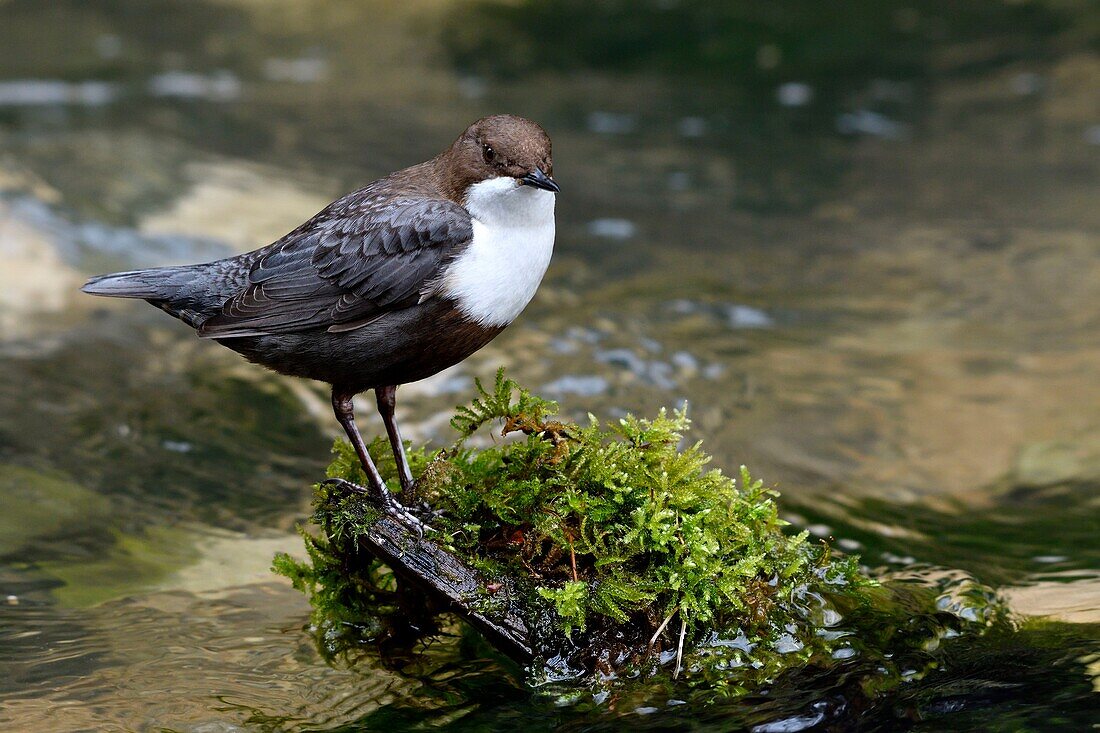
[495, 147]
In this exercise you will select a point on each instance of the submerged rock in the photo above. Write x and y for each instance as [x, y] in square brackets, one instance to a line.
[46, 504]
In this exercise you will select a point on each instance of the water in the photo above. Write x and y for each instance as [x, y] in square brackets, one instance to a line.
[864, 253]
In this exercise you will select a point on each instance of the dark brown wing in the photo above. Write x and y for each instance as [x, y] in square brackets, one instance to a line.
[363, 256]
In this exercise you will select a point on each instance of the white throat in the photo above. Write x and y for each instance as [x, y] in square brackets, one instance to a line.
[497, 275]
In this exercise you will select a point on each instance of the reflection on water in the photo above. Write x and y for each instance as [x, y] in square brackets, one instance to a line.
[864, 252]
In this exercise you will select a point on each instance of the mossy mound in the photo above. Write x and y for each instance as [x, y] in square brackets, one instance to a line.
[625, 552]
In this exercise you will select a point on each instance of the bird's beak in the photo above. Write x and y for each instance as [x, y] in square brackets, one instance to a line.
[538, 179]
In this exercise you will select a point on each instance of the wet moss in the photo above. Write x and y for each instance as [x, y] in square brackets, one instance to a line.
[628, 553]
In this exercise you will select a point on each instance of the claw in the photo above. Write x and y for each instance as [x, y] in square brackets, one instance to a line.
[425, 509]
[345, 484]
[385, 501]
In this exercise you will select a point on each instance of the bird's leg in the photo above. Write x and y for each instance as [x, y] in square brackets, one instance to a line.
[387, 400]
[343, 408]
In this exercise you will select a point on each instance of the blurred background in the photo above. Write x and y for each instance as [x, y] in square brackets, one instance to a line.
[860, 239]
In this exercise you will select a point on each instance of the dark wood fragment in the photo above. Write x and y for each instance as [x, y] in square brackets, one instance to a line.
[422, 563]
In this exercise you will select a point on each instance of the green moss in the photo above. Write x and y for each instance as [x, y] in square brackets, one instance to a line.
[619, 535]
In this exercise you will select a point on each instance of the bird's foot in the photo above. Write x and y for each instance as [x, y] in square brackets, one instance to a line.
[411, 496]
[385, 501]
[424, 509]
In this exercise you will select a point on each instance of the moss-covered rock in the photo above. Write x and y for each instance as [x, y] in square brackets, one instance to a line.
[625, 552]
[43, 504]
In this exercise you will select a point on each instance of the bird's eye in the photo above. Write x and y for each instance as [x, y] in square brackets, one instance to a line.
[489, 153]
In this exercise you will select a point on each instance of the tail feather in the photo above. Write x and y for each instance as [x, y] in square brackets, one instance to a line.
[157, 284]
[178, 291]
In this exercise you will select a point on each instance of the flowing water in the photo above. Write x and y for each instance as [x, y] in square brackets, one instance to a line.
[864, 247]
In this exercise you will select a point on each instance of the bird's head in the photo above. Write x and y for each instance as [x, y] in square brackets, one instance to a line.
[500, 154]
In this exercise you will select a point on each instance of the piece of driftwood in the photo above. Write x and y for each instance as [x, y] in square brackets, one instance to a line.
[422, 563]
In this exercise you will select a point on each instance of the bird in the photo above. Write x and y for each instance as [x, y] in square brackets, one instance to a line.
[387, 285]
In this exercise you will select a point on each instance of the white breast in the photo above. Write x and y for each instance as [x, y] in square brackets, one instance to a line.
[497, 275]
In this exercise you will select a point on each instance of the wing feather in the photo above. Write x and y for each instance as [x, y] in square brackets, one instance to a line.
[363, 256]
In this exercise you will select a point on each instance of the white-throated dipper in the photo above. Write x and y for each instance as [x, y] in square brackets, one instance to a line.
[388, 285]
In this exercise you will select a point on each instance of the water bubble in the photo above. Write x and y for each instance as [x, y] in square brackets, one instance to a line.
[612, 228]
[583, 385]
[623, 358]
[659, 373]
[740, 642]
[828, 635]
[302, 70]
[473, 87]
[745, 316]
[683, 306]
[679, 181]
[220, 86]
[714, 371]
[790, 725]
[1026, 84]
[564, 346]
[108, 46]
[786, 643]
[49, 92]
[866, 122]
[685, 361]
[794, 94]
[584, 335]
[692, 126]
[612, 123]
